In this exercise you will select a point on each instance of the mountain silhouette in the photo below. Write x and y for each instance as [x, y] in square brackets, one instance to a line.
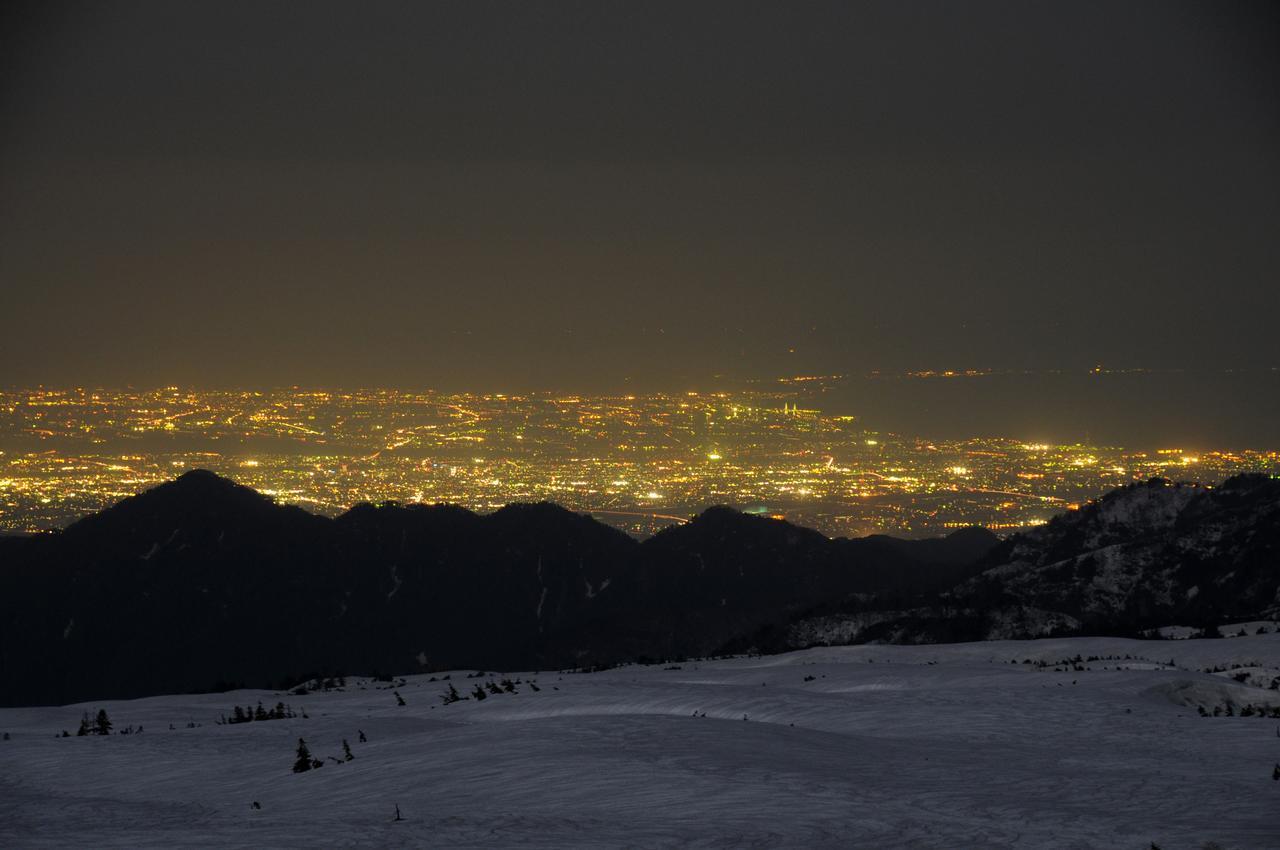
[201, 583]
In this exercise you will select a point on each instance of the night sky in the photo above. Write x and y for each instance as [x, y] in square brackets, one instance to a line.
[602, 196]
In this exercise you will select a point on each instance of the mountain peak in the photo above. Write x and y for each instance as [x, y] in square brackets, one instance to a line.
[719, 513]
[207, 488]
[201, 477]
[198, 499]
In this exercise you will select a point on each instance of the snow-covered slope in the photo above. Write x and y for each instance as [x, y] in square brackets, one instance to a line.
[1080, 742]
[1140, 557]
[1152, 550]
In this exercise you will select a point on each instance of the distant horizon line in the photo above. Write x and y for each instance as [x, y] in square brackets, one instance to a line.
[788, 381]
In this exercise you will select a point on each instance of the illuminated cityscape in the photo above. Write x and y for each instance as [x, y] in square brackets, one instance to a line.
[638, 462]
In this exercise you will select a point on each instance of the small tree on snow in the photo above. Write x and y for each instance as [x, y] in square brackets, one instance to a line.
[346, 751]
[303, 762]
[102, 725]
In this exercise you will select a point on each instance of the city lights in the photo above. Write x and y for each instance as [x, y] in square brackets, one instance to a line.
[641, 461]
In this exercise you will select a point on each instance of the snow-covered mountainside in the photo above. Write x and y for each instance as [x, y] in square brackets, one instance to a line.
[1141, 556]
[1150, 552]
[1056, 743]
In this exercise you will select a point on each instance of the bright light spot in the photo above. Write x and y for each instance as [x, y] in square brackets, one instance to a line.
[873, 442]
[713, 456]
[958, 470]
[248, 463]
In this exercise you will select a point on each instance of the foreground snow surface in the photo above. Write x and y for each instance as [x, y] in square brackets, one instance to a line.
[939, 746]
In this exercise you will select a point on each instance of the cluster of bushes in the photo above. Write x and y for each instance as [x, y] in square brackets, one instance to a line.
[249, 714]
[1079, 663]
[490, 688]
[304, 761]
[1244, 676]
[99, 725]
[1222, 668]
[1250, 710]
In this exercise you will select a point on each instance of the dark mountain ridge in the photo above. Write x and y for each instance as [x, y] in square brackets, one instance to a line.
[201, 583]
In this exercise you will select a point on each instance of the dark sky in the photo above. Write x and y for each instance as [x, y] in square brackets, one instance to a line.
[601, 195]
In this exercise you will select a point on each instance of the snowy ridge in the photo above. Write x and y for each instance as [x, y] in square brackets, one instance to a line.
[1142, 556]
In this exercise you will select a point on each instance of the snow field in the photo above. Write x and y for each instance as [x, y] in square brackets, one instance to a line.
[885, 746]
